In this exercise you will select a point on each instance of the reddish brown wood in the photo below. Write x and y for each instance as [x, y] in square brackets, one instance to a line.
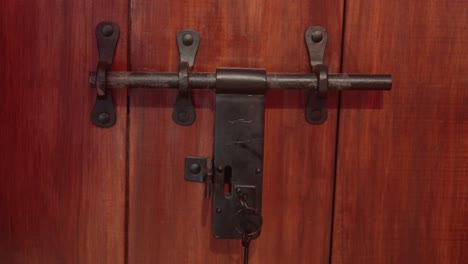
[169, 220]
[402, 185]
[62, 180]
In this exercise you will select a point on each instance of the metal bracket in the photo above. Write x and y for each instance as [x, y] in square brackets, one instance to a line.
[107, 35]
[316, 40]
[184, 80]
[200, 170]
[187, 42]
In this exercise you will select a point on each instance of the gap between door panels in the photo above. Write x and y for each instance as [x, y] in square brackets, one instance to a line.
[337, 138]
[127, 136]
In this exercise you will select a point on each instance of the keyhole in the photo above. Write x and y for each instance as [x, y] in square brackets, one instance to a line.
[227, 181]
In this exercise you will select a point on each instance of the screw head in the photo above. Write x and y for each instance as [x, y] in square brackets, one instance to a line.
[219, 210]
[187, 39]
[195, 168]
[183, 116]
[104, 118]
[258, 170]
[317, 36]
[107, 30]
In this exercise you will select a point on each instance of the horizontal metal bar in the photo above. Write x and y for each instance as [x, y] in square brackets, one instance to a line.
[203, 80]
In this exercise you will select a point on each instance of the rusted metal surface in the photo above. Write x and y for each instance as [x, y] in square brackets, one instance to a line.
[275, 81]
[316, 41]
[187, 43]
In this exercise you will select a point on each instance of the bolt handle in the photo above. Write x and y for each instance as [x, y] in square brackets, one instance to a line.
[107, 36]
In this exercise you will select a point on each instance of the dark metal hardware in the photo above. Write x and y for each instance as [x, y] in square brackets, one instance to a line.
[107, 35]
[316, 40]
[188, 41]
[241, 81]
[248, 222]
[238, 159]
[200, 170]
[246, 244]
[196, 169]
[234, 176]
[319, 82]
[238, 156]
[103, 114]
[184, 112]
[275, 81]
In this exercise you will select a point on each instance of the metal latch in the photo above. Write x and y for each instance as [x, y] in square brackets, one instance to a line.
[318, 83]
[233, 177]
[107, 35]
[238, 154]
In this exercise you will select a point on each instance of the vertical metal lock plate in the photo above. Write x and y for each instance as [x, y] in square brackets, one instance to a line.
[238, 160]
[238, 152]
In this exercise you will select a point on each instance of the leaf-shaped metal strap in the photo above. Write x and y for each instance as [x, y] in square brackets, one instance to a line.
[184, 112]
[316, 40]
[107, 35]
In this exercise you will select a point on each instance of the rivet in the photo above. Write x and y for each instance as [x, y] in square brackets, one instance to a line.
[258, 170]
[195, 168]
[183, 116]
[107, 30]
[104, 118]
[317, 36]
[219, 210]
[187, 39]
[220, 168]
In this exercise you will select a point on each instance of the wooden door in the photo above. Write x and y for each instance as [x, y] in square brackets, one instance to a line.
[169, 220]
[402, 169]
[74, 193]
[62, 189]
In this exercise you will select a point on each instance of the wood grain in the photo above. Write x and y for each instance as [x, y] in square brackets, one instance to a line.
[62, 191]
[169, 220]
[402, 186]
